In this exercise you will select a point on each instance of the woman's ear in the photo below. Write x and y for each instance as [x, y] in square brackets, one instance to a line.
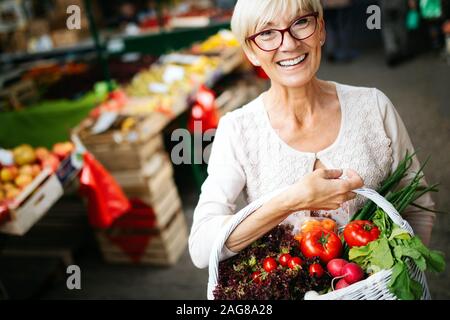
[323, 32]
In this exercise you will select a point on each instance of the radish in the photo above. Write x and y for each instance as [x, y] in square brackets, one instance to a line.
[349, 274]
[335, 267]
[352, 273]
[341, 284]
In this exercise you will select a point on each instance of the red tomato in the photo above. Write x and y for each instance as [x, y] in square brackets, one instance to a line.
[295, 262]
[256, 277]
[316, 270]
[284, 259]
[360, 232]
[321, 243]
[269, 264]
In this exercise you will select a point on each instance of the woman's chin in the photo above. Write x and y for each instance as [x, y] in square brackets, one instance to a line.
[295, 82]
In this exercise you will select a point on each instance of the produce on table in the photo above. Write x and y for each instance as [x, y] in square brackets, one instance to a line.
[24, 154]
[360, 232]
[28, 164]
[237, 275]
[63, 149]
[9, 173]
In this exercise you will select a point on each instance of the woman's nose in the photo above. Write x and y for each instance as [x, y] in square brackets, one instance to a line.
[289, 42]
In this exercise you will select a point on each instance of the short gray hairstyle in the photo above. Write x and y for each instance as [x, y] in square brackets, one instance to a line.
[251, 15]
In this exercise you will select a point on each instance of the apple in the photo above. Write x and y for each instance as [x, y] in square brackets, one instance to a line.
[41, 153]
[35, 170]
[8, 173]
[8, 186]
[23, 180]
[24, 154]
[11, 194]
[119, 96]
[63, 149]
[51, 162]
[26, 169]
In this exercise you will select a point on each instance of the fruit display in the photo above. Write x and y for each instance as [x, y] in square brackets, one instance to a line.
[28, 163]
[222, 40]
[170, 78]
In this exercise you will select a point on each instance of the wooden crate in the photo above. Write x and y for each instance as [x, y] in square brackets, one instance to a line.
[126, 156]
[163, 248]
[20, 94]
[32, 203]
[118, 153]
[154, 185]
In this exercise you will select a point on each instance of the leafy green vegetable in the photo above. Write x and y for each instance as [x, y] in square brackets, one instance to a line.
[373, 257]
[402, 285]
[382, 221]
[393, 250]
[435, 259]
[399, 233]
[396, 247]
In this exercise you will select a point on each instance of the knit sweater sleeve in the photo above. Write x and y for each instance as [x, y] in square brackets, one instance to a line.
[420, 220]
[219, 192]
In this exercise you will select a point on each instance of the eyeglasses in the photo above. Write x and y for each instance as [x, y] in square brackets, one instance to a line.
[271, 39]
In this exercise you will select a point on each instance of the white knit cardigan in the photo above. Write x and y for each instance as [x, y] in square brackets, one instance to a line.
[248, 156]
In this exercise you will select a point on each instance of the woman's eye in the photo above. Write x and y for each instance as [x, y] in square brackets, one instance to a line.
[267, 33]
[301, 22]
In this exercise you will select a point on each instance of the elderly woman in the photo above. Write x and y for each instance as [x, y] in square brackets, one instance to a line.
[301, 134]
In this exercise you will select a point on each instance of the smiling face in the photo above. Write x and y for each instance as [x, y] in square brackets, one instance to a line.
[295, 62]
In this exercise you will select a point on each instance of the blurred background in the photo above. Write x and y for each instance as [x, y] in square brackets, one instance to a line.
[117, 78]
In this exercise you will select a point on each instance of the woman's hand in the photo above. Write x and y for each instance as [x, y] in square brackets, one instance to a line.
[322, 190]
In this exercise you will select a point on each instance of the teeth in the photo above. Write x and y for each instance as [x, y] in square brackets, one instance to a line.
[293, 62]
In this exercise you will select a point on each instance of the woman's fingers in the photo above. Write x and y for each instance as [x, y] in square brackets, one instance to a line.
[330, 173]
[354, 179]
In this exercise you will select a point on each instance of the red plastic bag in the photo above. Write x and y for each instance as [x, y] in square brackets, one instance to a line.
[204, 111]
[106, 200]
[134, 231]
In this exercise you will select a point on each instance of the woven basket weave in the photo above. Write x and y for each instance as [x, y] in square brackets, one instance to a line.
[374, 287]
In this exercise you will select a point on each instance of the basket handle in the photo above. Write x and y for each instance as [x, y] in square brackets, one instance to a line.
[252, 207]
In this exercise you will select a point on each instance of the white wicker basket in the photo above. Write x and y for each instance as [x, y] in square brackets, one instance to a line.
[373, 288]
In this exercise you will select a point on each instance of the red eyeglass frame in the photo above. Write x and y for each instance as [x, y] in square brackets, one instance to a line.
[282, 31]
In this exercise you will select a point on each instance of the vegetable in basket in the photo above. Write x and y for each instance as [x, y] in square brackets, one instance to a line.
[394, 248]
[244, 276]
[360, 232]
